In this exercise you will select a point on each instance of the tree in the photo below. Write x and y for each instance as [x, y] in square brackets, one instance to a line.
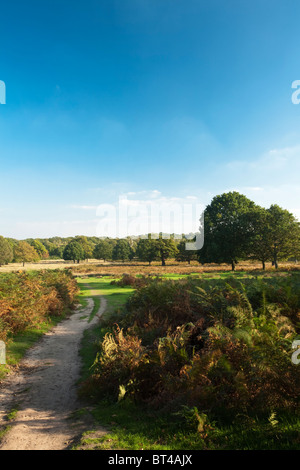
[260, 243]
[73, 251]
[103, 250]
[25, 253]
[6, 251]
[147, 250]
[133, 246]
[40, 249]
[88, 247]
[166, 248]
[284, 234]
[185, 255]
[227, 229]
[121, 250]
[57, 252]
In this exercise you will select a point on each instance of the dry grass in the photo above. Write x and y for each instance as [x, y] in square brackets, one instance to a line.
[135, 267]
[45, 264]
[173, 267]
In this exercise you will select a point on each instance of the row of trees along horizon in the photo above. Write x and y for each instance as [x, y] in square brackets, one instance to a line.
[235, 229]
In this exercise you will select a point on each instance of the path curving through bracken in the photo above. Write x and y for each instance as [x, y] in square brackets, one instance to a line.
[44, 388]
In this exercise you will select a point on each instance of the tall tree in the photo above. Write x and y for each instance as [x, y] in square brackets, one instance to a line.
[25, 253]
[227, 229]
[40, 249]
[184, 254]
[121, 250]
[87, 246]
[103, 250]
[74, 251]
[147, 250]
[166, 248]
[6, 251]
[284, 234]
[133, 246]
[259, 247]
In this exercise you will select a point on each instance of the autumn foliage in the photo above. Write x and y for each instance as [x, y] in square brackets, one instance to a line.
[28, 298]
[214, 344]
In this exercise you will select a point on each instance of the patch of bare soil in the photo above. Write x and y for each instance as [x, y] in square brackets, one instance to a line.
[44, 389]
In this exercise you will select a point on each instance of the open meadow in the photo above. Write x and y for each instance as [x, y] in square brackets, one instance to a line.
[95, 266]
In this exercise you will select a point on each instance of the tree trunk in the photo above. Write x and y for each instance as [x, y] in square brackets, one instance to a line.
[275, 257]
[264, 265]
[275, 261]
[163, 262]
[232, 265]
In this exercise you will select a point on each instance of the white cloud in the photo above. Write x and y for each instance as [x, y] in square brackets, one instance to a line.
[273, 178]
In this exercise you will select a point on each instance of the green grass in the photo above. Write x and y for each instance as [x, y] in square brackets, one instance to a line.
[11, 416]
[89, 348]
[13, 413]
[130, 427]
[115, 295]
[3, 431]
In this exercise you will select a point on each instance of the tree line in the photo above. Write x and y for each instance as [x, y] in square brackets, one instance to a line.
[235, 229]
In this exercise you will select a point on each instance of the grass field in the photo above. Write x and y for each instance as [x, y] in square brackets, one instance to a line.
[39, 265]
[173, 267]
[118, 268]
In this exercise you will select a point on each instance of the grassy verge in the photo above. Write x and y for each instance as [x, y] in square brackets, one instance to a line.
[94, 287]
[31, 304]
[115, 296]
[133, 428]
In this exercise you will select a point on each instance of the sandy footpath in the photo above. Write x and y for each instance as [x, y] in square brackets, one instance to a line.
[44, 388]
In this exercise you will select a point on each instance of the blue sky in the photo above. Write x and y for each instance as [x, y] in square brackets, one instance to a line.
[154, 99]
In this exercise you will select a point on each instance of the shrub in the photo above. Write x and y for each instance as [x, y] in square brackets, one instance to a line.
[215, 345]
[26, 299]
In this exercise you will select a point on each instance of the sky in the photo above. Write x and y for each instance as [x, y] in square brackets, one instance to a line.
[142, 104]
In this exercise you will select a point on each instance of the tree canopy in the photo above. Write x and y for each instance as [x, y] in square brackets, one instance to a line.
[74, 251]
[121, 250]
[6, 251]
[25, 253]
[227, 229]
[235, 228]
[103, 250]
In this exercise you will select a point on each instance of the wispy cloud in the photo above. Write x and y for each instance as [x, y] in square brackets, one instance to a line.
[83, 207]
[273, 178]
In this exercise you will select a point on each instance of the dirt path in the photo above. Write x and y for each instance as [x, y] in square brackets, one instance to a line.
[45, 388]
